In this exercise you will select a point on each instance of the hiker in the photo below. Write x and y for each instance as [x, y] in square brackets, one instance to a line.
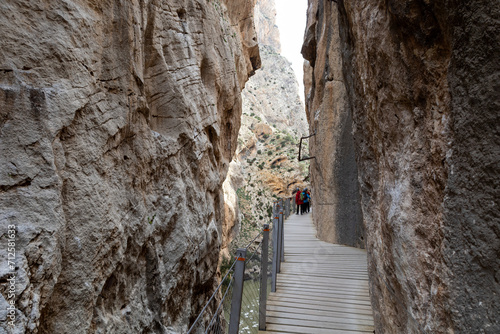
[298, 201]
[309, 203]
[304, 196]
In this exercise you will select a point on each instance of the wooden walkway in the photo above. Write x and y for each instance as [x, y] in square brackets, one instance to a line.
[322, 287]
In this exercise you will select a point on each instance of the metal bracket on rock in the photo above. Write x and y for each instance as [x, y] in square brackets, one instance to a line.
[300, 148]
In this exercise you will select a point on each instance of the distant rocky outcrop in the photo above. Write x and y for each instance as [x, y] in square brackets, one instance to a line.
[420, 81]
[118, 121]
[272, 122]
[265, 24]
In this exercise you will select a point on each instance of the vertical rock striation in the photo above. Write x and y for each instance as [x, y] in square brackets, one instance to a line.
[118, 120]
[421, 80]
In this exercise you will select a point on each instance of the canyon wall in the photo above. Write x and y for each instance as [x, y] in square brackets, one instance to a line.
[118, 120]
[336, 200]
[421, 79]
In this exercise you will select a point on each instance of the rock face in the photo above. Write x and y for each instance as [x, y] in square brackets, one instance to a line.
[265, 24]
[234, 181]
[118, 120]
[336, 200]
[422, 84]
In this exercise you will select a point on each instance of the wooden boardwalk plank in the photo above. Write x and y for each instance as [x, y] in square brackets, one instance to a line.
[329, 295]
[332, 324]
[327, 318]
[310, 330]
[314, 300]
[316, 312]
[322, 287]
[351, 309]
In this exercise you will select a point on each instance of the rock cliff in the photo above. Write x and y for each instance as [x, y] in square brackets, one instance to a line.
[265, 24]
[421, 79]
[337, 208]
[118, 120]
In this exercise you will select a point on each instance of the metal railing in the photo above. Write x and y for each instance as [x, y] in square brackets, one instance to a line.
[246, 310]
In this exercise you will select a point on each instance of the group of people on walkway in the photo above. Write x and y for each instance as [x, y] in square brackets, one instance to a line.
[303, 200]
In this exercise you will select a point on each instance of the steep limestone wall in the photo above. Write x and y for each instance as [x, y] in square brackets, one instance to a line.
[265, 24]
[422, 84]
[118, 120]
[335, 193]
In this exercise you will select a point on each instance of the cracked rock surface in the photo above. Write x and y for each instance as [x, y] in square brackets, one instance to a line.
[118, 120]
[421, 79]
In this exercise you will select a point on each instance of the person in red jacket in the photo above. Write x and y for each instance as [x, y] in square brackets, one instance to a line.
[298, 201]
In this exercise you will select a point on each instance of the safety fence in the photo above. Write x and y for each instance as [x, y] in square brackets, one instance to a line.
[238, 305]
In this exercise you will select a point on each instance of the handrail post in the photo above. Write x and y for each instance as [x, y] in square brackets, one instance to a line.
[280, 231]
[239, 271]
[282, 238]
[286, 208]
[289, 206]
[275, 246]
[263, 278]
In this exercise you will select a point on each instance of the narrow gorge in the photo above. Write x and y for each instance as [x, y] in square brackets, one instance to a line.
[143, 141]
[265, 166]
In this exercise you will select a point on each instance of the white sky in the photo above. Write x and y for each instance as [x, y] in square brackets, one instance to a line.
[291, 20]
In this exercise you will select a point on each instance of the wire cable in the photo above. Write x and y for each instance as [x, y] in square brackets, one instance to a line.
[216, 313]
[254, 239]
[213, 295]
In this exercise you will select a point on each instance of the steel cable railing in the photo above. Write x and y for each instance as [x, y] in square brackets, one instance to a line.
[218, 324]
[249, 318]
[251, 242]
[238, 304]
[198, 322]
